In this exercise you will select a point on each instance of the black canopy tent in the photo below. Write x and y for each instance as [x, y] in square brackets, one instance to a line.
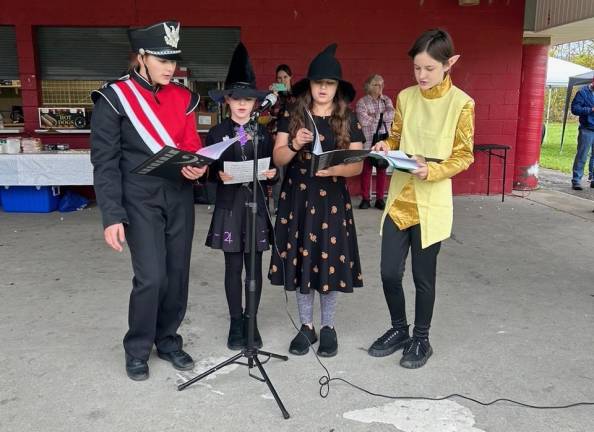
[585, 78]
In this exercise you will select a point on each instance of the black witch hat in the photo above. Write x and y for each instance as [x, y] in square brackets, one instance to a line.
[325, 66]
[159, 39]
[241, 79]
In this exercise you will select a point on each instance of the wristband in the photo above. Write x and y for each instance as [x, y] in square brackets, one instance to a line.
[293, 149]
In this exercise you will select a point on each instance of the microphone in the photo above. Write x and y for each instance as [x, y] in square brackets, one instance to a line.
[268, 101]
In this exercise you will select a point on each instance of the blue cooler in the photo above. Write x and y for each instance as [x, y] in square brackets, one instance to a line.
[30, 199]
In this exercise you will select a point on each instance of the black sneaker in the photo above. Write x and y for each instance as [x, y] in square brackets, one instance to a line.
[380, 204]
[364, 204]
[592, 184]
[328, 342]
[416, 353]
[300, 343]
[235, 340]
[577, 187]
[390, 342]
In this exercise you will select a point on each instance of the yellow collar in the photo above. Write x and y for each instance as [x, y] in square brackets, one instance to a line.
[438, 90]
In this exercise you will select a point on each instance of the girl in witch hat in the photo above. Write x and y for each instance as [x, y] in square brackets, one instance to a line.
[229, 227]
[315, 229]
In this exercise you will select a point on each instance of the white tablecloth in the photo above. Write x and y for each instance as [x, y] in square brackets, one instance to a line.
[68, 168]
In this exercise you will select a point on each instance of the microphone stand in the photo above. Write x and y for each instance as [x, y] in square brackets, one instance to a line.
[250, 352]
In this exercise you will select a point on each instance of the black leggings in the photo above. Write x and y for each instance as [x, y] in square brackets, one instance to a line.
[395, 246]
[234, 262]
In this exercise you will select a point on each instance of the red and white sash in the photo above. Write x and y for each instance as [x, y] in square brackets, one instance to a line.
[141, 115]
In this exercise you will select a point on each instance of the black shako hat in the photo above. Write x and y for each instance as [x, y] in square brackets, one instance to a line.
[159, 39]
[325, 66]
[241, 79]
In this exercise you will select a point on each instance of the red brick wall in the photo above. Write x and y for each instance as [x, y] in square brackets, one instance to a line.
[373, 37]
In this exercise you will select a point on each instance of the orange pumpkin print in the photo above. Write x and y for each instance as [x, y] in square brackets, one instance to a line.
[324, 255]
[302, 186]
[305, 252]
[324, 225]
[334, 210]
[322, 192]
[331, 270]
[284, 221]
[325, 287]
[333, 240]
[342, 259]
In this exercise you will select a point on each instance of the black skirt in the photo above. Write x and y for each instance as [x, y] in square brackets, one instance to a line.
[229, 228]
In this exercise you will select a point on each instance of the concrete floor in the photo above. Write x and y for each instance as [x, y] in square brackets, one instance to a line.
[514, 318]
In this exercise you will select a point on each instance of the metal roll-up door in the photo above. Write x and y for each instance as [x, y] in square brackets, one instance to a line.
[207, 52]
[9, 67]
[86, 53]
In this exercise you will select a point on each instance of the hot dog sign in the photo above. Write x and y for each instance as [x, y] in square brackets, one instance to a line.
[62, 118]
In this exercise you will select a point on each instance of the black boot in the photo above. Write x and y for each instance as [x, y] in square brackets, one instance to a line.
[300, 343]
[236, 341]
[257, 338]
[328, 342]
[416, 353]
[390, 342]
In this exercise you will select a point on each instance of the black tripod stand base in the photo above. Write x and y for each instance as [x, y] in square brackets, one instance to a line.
[252, 356]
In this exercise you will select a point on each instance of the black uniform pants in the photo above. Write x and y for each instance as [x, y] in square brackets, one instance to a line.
[395, 246]
[234, 262]
[159, 234]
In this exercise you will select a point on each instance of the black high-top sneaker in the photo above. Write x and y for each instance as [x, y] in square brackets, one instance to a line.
[236, 341]
[390, 342]
[416, 353]
[300, 343]
[328, 342]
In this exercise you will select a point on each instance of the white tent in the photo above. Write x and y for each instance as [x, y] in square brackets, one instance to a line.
[559, 71]
[558, 74]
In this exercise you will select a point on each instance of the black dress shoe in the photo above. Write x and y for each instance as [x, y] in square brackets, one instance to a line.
[180, 360]
[577, 187]
[300, 343]
[364, 204]
[136, 369]
[592, 185]
[390, 342]
[328, 342]
[380, 204]
[236, 340]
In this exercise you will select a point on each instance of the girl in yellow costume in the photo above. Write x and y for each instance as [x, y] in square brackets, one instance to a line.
[434, 121]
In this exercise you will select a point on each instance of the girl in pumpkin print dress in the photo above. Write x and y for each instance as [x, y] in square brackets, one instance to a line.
[315, 232]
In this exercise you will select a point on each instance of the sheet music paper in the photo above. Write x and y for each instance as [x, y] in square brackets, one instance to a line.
[317, 144]
[216, 150]
[242, 172]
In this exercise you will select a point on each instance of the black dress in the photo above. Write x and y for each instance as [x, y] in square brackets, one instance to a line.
[229, 227]
[315, 230]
